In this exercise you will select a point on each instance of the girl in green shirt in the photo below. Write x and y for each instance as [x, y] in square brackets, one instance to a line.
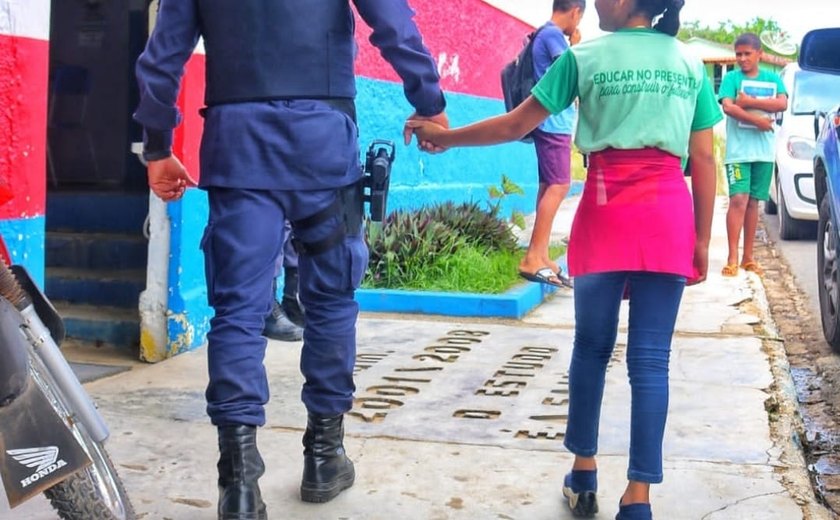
[645, 105]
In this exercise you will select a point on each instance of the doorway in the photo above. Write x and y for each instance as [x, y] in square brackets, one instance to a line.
[97, 193]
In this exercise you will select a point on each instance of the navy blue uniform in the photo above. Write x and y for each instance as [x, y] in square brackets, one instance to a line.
[279, 142]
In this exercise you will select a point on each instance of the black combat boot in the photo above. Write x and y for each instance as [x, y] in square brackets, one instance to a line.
[326, 469]
[240, 466]
[291, 303]
[278, 325]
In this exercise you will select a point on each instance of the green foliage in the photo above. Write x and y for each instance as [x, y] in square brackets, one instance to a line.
[460, 247]
[415, 248]
[471, 269]
[478, 227]
[728, 31]
[508, 188]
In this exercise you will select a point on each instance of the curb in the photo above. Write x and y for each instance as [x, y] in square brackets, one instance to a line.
[515, 303]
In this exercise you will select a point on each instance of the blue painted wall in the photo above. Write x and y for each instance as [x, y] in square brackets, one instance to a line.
[459, 175]
[188, 317]
[25, 240]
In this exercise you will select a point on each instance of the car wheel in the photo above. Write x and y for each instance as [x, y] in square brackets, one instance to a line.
[828, 274]
[789, 227]
[770, 207]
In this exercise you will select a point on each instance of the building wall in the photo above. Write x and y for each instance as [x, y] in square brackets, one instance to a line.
[24, 58]
[470, 56]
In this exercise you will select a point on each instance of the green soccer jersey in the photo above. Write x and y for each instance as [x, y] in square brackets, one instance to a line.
[638, 88]
[744, 142]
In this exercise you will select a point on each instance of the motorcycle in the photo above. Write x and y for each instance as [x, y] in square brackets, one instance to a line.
[52, 437]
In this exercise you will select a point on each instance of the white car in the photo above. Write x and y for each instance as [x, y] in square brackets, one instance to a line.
[792, 194]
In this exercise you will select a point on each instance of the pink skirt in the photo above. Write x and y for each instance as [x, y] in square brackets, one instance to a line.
[636, 214]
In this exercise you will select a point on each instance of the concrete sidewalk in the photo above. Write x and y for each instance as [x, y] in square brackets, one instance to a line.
[464, 419]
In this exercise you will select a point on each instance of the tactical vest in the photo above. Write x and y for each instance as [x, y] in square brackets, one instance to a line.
[277, 49]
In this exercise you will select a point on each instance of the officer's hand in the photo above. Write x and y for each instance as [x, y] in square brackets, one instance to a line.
[428, 134]
[441, 119]
[168, 178]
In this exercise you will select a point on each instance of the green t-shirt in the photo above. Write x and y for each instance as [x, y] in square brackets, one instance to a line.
[638, 88]
[746, 143]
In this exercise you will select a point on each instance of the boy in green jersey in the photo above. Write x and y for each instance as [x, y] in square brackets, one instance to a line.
[750, 96]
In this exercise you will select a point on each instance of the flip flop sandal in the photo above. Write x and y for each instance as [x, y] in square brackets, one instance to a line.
[753, 267]
[565, 280]
[729, 270]
[544, 275]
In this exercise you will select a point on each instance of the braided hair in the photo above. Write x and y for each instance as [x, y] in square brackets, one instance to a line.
[669, 23]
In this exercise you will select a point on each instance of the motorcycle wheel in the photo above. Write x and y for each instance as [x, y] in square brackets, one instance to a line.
[95, 491]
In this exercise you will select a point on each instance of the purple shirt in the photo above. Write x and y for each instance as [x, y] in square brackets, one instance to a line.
[549, 44]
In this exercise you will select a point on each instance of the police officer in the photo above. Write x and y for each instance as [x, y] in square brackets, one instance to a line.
[279, 142]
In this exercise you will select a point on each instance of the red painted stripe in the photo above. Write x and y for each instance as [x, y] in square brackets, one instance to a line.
[23, 124]
[187, 139]
[470, 40]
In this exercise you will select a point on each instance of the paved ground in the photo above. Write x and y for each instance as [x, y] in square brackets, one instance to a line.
[464, 419]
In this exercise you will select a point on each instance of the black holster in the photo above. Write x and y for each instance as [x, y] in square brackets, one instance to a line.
[348, 206]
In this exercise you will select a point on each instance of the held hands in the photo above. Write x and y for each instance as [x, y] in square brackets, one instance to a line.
[428, 134]
[440, 121]
[168, 178]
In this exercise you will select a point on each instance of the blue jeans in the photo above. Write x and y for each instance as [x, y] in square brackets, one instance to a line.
[654, 302]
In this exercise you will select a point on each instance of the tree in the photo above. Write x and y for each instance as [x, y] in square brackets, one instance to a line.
[726, 32]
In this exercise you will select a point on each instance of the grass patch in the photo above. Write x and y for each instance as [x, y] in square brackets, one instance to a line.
[449, 247]
[471, 269]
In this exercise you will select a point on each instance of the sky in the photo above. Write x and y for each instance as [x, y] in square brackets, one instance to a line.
[796, 17]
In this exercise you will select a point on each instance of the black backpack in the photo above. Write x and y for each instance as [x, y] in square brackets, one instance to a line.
[518, 77]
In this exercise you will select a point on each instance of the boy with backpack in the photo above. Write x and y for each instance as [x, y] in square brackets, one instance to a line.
[553, 144]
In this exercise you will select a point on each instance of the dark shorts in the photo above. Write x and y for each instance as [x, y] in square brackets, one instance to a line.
[554, 157]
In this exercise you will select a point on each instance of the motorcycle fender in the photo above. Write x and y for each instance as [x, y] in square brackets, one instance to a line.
[14, 361]
[43, 307]
[37, 449]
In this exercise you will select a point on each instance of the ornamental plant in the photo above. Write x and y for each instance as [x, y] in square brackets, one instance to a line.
[447, 246]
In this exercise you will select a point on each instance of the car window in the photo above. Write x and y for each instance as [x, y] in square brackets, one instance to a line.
[813, 91]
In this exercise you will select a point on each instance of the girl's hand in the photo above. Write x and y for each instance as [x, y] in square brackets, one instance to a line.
[440, 119]
[428, 134]
[701, 263]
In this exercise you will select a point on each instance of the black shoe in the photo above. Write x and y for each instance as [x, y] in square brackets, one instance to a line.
[293, 309]
[278, 326]
[240, 467]
[326, 469]
[580, 489]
